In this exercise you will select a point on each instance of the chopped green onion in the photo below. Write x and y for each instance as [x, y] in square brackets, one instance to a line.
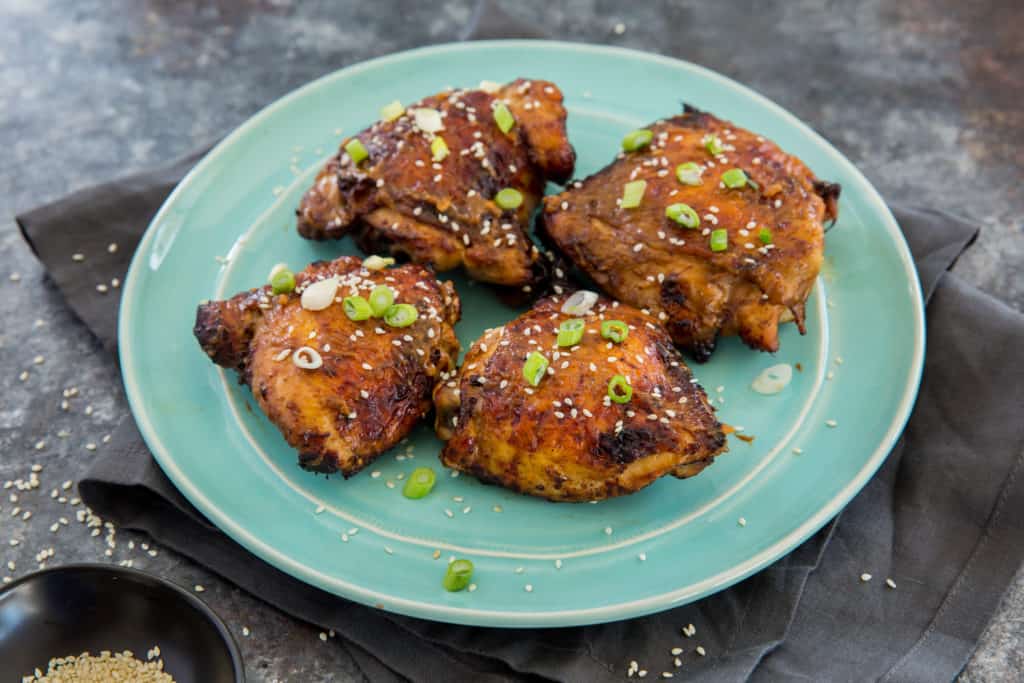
[419, 483]
[381, 299]
[282, 282]
[683, 214]
[712, 144]
[632, 193]
[719, 240]
[615, 330]
[438, 148]
[619, 390]
[503, 117]
[765, 235]
[534, 368]
[570, 332]
[689, 173]
[392, 110]
[374, 262]
[356, 308]
[401, 315]
[637, 139]
[356, 151]
[734, 178]
[509, 198]
[458, 575]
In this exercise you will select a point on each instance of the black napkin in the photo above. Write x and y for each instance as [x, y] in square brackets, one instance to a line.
[943, 517]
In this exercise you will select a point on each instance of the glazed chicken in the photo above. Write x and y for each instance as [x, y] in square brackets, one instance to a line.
[424, 185]
[606, 417]
[727, 236]
[340, 390]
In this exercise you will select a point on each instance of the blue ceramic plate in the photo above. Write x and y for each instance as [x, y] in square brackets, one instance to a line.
[232, 218]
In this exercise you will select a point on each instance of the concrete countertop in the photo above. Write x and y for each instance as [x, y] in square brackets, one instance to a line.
[923, 95]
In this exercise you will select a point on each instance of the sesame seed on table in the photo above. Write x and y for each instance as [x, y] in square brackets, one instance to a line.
[925, 113]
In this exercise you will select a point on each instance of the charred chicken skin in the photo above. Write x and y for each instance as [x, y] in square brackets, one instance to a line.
[341, 390]
[560, 435]
[726, 237]
[423, 185]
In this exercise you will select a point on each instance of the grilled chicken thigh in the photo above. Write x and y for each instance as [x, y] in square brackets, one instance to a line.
[557, 433]
[739, 252]
[340, 390]
[423, 185]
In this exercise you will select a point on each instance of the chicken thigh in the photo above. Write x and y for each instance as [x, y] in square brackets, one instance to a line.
[341, 384]
[576, 402]
[712, 228]
[425, 184]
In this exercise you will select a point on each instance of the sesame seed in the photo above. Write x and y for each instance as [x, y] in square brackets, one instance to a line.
[497, 508]
[831, 423]
[865, 577]
[448, 513]
[246, 631]
[388, 550]
[890, 583]
[198, 588]
[642, 557]
[607, 531]
[797, 451]
[528, 588]
[667, 674]
[701, 651]
[558, 564]
[676, 651]
[78, 257]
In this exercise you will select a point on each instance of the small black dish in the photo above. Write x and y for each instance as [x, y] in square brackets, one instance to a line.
[93, 607]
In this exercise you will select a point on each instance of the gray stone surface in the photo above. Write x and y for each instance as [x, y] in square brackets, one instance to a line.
[924, 95]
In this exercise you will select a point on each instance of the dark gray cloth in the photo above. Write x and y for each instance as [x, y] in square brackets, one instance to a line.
[944, 517]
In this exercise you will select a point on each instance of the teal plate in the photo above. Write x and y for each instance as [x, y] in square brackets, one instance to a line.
[232, 218]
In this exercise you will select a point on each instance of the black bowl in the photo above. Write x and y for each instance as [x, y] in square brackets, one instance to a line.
[93, 607]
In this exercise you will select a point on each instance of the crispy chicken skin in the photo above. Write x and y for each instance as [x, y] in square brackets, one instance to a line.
[648, 260]
[563, 439]
[376, 381]
[402, 201]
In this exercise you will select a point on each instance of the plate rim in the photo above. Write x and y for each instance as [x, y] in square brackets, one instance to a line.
[489, 617]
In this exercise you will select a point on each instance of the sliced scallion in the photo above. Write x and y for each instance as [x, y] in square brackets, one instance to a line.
[534, 368]
[765, 235]
[614, 330]
[419, 483]
[637, 139]
[381, 299]
[719, 240]
[401, 315]
[633, 194]
[570, 332]
[356, 308]
[734, 178]
[392, 110]
[509, 198]
[683, 214]
[619, 390]
[282, 282]
[689, 173]
[503, 117]
[712, 144]
[458, 575]
[438, 148]
[356, 151]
